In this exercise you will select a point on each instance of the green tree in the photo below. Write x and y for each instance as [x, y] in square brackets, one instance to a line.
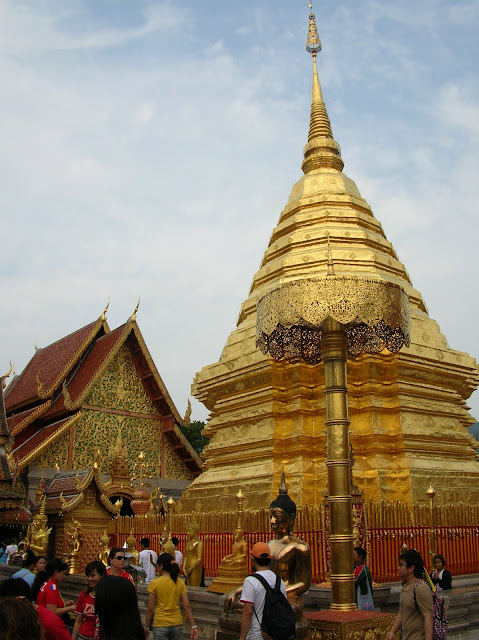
[192, 433]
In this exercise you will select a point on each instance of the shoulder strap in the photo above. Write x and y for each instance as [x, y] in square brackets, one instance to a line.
[263, 581]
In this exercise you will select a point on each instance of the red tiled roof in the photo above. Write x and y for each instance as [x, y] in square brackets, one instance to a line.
[15, 422]
[99, 352]
[50, 362]
[67, 484]
[14, 516]
[38, 438]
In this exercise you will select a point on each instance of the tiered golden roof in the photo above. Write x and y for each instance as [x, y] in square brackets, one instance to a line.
[408, 411]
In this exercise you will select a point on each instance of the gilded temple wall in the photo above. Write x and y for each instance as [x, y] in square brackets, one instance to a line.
[116, 405]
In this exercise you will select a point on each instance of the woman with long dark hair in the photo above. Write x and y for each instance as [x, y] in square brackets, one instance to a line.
[164, 601]
[86, 620]
[48, 594]
[116, 606]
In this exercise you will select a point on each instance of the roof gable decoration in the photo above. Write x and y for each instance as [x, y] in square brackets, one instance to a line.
[93, 475]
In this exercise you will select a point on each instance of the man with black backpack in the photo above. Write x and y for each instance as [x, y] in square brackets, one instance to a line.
[265, 606]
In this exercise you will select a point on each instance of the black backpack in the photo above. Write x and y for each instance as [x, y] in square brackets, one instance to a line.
[278, 617]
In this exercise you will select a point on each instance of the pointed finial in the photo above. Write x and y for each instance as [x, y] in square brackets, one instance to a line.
[313, 43]
[103, 315]
[321, 151]
[133, 315]
[187, 418]
[35, 344]
[330, 260]
[283, 489]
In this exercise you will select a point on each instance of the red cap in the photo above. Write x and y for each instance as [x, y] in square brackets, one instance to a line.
[261, 550]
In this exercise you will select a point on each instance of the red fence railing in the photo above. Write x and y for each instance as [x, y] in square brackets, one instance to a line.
[459, 545]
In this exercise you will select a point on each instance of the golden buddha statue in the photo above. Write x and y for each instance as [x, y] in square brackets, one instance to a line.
[291, 560]
[233, 568]
[105, 548]
[167, 545]
[237, 558]
[37, 533]
[291, 556]
[75, 533]
[131, 551]
[193, 562]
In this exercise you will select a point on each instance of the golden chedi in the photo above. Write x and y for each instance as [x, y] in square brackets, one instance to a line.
[267, 415]
[233, 568]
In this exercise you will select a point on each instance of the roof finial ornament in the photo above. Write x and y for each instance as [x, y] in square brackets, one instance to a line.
[133, 315]
[3, 378]
[35, 344]
[103, 315]
[330, 260]
[313, 43]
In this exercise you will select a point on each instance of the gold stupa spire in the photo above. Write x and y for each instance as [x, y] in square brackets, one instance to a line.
[321, 150]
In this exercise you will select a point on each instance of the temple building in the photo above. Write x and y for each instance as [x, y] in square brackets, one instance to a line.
[92, 395]
[409, 414]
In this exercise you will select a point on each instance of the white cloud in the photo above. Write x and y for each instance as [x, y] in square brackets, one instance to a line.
[151, 149]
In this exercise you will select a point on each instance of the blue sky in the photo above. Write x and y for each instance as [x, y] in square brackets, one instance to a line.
[149, 148]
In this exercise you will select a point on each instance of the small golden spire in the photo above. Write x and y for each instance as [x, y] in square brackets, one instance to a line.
[133, 315]
[321, 150]
[35, 344]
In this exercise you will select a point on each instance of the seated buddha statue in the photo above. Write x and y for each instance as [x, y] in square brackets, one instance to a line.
[131, 551]
[236, 559]
[291, 556]
[233, 568]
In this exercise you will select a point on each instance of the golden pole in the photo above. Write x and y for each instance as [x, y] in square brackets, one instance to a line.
[431, 494]
[339, 465]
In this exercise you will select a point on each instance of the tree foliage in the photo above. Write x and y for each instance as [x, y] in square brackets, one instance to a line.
[192, 433]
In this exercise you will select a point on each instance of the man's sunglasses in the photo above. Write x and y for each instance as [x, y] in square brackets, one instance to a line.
[119, 558]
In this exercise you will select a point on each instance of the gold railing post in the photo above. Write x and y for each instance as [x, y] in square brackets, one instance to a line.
[338, 464]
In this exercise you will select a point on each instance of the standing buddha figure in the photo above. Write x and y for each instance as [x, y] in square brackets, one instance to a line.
[193, 562]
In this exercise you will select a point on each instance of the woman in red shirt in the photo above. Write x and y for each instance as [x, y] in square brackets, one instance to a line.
[86, 621]
[49, 594]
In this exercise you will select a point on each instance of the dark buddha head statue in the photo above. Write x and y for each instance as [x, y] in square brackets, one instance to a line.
[282, 511]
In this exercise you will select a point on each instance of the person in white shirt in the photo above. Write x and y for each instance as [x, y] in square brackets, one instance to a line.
[253, 593]
[178, 554]
[148, 559]
[11, 548]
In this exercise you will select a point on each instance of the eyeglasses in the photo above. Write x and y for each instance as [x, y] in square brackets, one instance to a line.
[119, 558]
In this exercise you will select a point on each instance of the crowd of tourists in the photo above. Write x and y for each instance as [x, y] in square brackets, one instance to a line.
[32, 606]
